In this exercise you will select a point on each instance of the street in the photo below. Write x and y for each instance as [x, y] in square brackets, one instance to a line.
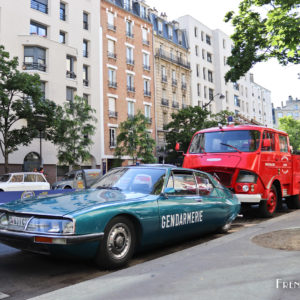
[25, 275]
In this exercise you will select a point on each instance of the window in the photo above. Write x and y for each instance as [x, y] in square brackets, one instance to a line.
[208, 40]
[112, 107]
[170, 32]
[202, 36]
[224, 43]
[203, 54]
[86, 97]
[145, 36]
[204, 73]
[143, 12]
[39, 29]
[62, 37]
[204, 185]
[148, 112]
[196, 50]
[183, 183]
[196, 31]
[205, 92]
[40, 5]
[210, 76]
[160, 27]
[111, 21]
[174, 80]
[85, 75]
[146, 61]
[198, 70]
[130, 83]
[112, 137]
[236, 86]
[163, 74]
[236, 101]
[43, 89]
[34, 58]
[179, 37]
[147, 91]
[127, 4]
[280, 115]
[130, 106]
[129, 55]
[111, 45]
[269, 136]
[283, 144]
[209, 57]
[62, 11]
[129, 29]
[198, 89]
[85, 21]
[85, 48]
[112, 75]
[211, 94]
[70, 67]
[70, 94]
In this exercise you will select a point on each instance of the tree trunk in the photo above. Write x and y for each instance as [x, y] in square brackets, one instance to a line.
[6, 162]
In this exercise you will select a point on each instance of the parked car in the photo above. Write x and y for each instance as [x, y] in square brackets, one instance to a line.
[75, 179]
[128, 209]
[23, 181]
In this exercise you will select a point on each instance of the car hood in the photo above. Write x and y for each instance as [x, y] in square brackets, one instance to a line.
[67, 203]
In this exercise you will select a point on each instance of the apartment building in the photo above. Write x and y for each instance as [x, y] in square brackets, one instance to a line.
[172, 73]
[291, 108]
[128, 75]
[209, 52]
[60, 41]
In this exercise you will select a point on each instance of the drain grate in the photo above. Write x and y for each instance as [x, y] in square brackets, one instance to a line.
[3, 296]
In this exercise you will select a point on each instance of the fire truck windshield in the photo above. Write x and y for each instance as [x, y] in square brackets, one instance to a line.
[225, 141]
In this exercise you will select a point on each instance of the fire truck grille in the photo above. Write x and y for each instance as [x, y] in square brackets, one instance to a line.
[224, 178]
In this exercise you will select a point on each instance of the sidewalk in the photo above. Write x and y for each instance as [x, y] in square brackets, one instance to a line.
[231, 267]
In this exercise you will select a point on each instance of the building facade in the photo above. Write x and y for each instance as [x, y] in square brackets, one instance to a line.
[291, 108]
[60, 41]
[128, 74]
[209, 52]
[172, 74]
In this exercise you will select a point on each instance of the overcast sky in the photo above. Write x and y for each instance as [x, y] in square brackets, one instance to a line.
[281, 81]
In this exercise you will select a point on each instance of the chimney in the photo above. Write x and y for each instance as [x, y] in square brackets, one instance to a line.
[164, 16]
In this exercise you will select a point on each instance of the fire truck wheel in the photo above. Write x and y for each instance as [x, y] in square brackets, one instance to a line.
[293, 202]
[268, 207]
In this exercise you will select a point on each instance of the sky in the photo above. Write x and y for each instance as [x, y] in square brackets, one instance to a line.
[281, 81]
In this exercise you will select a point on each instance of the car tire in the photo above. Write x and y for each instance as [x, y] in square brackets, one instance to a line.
[225, 228]
[118, 244]
[293, 202]
[67, 188]
[268, 207]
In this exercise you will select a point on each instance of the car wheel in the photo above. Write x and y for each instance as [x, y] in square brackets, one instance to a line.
[268, 207]
[118, 244]
[67, 188]
[293, 202]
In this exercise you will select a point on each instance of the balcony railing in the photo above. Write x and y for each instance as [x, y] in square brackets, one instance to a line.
[34, 66]
[85, 53]
[175, 104]
[130, 88]
[146, 42]
[183, 86]
[184, 105]
[85, 82]
[164, 78]
[39, 6]
[112, 114]
[147, 67]
[129, 34]
[173, 58]
[174, 82]
[111, 55]
[111, 27]
[147, 93]
[112, 84]
[164, 102]
[70, 74]
[130, 61]
[62, 15]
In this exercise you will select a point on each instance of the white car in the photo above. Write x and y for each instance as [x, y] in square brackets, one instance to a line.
[23, 181]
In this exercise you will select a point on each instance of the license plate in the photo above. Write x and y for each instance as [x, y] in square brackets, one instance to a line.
[17, 221]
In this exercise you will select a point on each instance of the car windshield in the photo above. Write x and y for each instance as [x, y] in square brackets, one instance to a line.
[4, 177]
[225, 141]
[136, 180]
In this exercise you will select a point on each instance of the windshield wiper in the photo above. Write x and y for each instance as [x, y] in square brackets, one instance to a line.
[108, 188]
[231, 147]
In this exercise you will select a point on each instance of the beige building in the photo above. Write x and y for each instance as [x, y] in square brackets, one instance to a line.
[291, 108]
[59, 40]
[172, 73]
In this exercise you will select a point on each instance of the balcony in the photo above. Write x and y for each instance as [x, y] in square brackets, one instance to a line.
[70, 74]
[111, 27]
[147, 67]
[34, 66]
[130, 88]
[164, 78]
[147, 93]
[112, 114]
[174, 82]
[146, 42]
[164, 102]
[39, 6]
[112, 84]
[175, 104]
[172, 58]
[130, 61]
[129, 34]
[111, 55]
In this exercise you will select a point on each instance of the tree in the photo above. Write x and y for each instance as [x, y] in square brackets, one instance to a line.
[263, 29]
[73, 130]
[134, 140]
[292, 127]
[20, 102]
[185, 123]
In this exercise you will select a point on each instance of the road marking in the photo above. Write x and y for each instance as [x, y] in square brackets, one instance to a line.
[3, 296]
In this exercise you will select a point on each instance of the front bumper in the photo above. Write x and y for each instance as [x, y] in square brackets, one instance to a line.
[249, 198]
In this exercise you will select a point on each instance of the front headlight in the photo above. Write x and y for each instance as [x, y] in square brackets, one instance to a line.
[51, 226]
[247, 177]
[3, 220]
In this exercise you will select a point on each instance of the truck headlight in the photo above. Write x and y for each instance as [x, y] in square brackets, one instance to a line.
[51, 226]
[247, 177]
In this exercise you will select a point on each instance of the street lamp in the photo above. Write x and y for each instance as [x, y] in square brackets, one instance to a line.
[221, 96]
[41, 122]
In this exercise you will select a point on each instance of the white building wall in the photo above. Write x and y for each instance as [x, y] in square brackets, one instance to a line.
[15, 18]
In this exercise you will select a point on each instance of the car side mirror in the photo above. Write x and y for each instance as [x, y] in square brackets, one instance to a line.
[177, 147]
[266, 143]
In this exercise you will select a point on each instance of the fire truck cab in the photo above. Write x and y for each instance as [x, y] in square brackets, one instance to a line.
[254, 162]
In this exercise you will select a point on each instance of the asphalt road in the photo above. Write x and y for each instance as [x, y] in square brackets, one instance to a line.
[25, 275]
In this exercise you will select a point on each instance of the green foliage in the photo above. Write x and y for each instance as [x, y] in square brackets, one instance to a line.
[134, 140]
[20, 101]
[185, 123]
[264, 29]
[73, 130]
[292, 127]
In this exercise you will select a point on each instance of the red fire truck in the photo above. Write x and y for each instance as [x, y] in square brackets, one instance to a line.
[255, 162]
